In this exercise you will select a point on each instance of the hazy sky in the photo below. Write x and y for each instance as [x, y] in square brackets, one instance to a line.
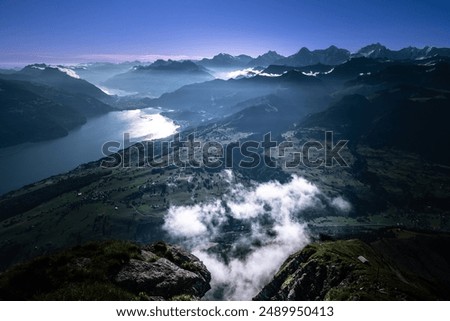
[76, 31]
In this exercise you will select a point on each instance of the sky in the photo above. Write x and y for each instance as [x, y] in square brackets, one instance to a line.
[86, 30]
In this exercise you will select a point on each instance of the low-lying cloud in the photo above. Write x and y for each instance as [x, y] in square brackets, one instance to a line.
[260, 226]
[249, 72]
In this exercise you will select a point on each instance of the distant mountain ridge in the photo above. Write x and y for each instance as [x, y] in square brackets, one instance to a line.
[379, 51]
[224, 60]
[329, 56]
[171, 65]
[265, 59]
[159, 77]
[98, 72]
[304, 57]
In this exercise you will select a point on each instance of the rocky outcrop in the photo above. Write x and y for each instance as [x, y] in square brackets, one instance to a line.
[307, 276]
[355, 270]
[111, 270]
[165, 271]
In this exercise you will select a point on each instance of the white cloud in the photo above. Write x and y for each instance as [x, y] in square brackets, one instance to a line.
[38, 67]
[315, 73]
[248, 72]
[269, 213]
[311, 73]
[341, 204]
[114, 91]
[192, 221]
[69, 72]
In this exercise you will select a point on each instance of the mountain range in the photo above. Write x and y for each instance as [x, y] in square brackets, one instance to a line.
[392, 192]
[329, 56]
[165, 76]
[335, 56]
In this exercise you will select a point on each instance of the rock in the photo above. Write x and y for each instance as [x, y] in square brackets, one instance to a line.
[109, 270]
[333, 271]
[168, 273]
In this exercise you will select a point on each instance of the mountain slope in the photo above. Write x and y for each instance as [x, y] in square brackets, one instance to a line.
[63, 86]
[219, 97]
[86, 105]
[435, 74]
[404, 106]
[41, 102]
[28, 117]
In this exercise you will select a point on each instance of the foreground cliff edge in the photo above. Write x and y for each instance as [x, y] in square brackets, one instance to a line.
[400, 265]
[394, 264]
[110, 270]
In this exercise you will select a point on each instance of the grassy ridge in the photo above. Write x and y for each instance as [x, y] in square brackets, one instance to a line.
[402, 265]
[82, 273]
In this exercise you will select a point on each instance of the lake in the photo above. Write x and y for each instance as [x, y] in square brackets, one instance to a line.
[27, 163]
